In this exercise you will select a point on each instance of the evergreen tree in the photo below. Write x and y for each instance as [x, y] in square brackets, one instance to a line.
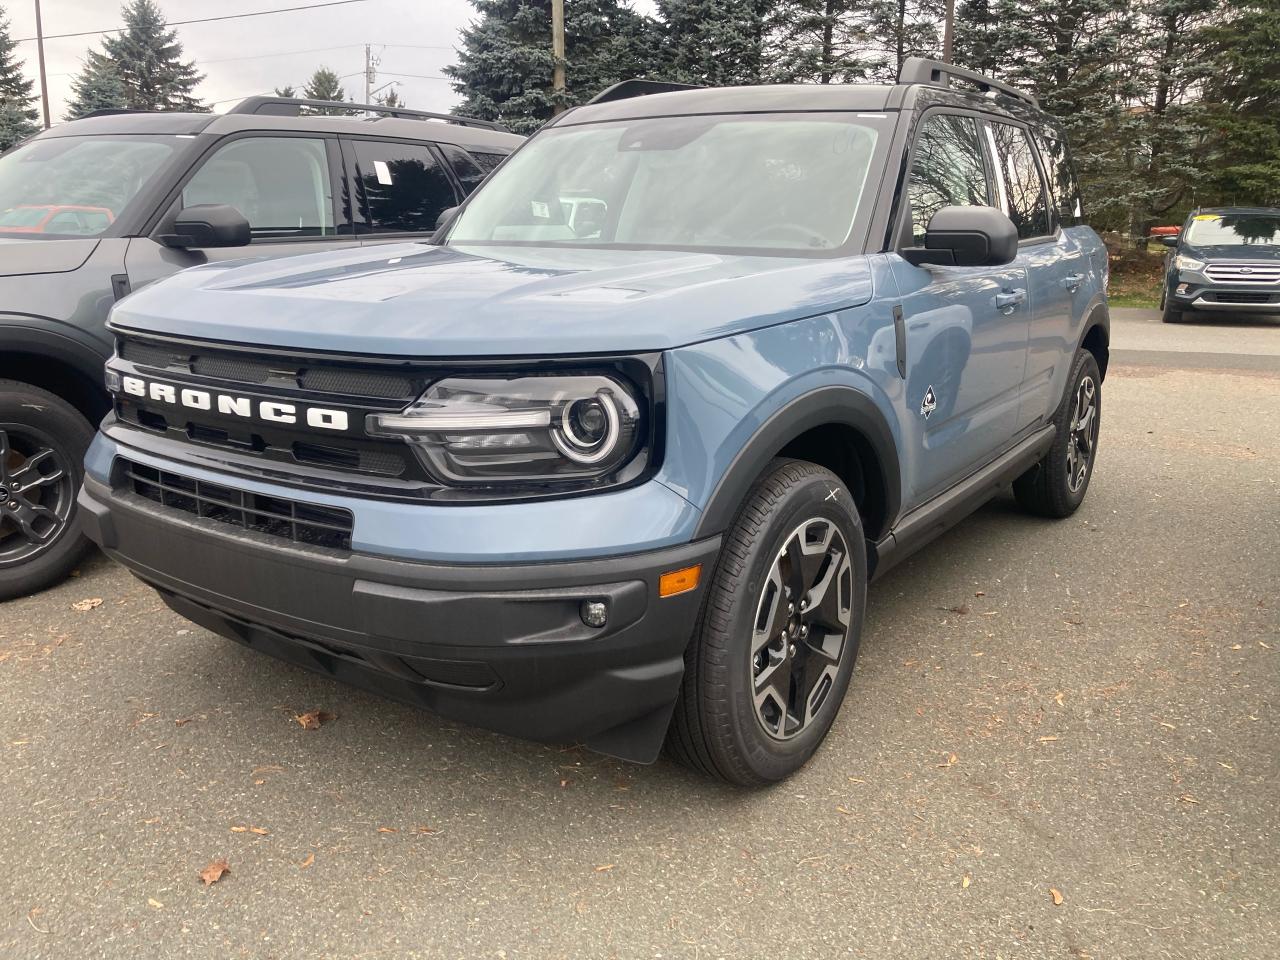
[715, 42]
[817, 41]
[148, 60]
[288, 91]
[325, 85]
[504, 68]
[17, 101]
[901, 29]
[98, 87]
[391, 99]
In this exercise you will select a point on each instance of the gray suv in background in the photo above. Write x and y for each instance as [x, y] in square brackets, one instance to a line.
[95, 208]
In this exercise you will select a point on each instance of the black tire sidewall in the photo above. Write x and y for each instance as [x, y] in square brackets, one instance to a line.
[1056, 461]
[767, 758]
[63, 426]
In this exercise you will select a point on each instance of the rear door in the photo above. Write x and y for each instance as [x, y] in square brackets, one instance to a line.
[398, 189]
[289, 188]
[1054, 263]
[966, 327]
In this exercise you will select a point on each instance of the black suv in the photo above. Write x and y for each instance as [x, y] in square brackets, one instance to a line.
[92, 209]
[1226, 260]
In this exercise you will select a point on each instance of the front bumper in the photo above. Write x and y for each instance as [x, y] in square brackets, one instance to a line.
[1225, 297]
[502, 647]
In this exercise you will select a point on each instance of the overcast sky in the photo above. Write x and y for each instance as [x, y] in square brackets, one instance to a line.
[414, 40]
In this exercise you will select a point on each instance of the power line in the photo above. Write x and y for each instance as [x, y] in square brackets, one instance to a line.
[282, 53]
[183, 23]
[415, 76]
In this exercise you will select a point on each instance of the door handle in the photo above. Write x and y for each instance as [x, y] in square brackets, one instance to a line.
[1073, 281]
[1008, 300]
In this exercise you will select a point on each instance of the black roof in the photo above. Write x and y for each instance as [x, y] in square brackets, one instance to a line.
[1239, 211]
[440, 131]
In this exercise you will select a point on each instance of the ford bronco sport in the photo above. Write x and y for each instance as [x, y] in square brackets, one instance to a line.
[94, 208]
[613, 458]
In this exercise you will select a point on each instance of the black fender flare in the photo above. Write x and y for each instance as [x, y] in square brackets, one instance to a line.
[1097, 316]
[841, 405]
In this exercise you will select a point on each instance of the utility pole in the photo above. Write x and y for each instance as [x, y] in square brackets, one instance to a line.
[948, 31]
[44, 82]
[369, 74]
[557, 55]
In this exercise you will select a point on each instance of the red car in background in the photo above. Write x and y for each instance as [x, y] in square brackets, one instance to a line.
[56, 218]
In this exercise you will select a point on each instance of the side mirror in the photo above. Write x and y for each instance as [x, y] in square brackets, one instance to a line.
[1169, 241]
[967, 237]
[208, 225]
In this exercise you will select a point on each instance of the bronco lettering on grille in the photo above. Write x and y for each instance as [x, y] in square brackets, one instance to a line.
[230, 405]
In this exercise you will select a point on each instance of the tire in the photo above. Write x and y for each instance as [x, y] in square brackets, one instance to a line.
[717, 728]
[1168, 313]
[39, 540]
[1055, 487]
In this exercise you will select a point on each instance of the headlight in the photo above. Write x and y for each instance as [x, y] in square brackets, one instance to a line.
[1183, 262]
[535, 428]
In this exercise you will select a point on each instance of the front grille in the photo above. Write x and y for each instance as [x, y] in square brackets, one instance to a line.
[317, 375]
[1260, 273]
[303, 523]
[1229, 296]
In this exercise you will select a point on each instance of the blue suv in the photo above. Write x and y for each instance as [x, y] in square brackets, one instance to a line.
[613, 458]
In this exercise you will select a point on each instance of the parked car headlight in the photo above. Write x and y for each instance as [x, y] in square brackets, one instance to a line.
[489, 430]
[1183, 262]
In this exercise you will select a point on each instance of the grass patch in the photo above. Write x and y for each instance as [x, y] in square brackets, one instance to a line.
[1136, 274]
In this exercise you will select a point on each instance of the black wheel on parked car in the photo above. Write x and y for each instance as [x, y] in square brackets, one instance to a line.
[773, 651]
[1168, 313]
[42, 444]
[1056, 485]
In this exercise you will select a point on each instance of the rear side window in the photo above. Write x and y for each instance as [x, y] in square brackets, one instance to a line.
[1062, 178]
[280, 184]
[400, 188]
[946, 169]
[1021, 188]
[465, 167]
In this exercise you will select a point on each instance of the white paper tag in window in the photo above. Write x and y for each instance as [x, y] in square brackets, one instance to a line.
[383, 171]
[540, 209]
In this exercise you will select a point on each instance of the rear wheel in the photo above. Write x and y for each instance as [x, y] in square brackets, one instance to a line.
[773, 653]
[42, 445]
[1056, 485]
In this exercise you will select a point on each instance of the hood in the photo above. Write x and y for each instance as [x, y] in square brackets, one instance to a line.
[1236, 251]
[420, 300]
[26, 257]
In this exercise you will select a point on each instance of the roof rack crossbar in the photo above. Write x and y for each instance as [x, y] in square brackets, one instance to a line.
[938, 74]
[293, 106]
[628, 89]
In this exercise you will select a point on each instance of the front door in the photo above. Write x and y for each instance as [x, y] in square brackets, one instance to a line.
[966, 327]
[289, 188]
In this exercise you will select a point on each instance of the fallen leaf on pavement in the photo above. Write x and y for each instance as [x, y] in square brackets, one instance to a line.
[1057, 896]
[1047, 739]
[214, 871]
[951, 761]
[845, 810]
[1188, 798]
[312, 719]
[311, 858]
[155, 903]
[88, 604]
[603, 867]
[388, 830]
[239, 829]
[428, 830]
[964, 882]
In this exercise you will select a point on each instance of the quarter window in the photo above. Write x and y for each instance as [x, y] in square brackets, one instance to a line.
[1062, 178]
[946, 170]
[1020, 185]
[280, 184]
[400, 188]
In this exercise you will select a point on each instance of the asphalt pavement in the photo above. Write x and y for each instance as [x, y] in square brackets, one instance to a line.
[1060, 742]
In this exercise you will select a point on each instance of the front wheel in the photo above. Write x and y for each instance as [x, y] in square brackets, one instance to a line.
[1168, 312]
[42, 444]
[1056, 485]
[773, 653]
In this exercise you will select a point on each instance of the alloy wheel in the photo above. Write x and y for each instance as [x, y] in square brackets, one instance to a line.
[37, 493]
[801, 628]
[1084, 434]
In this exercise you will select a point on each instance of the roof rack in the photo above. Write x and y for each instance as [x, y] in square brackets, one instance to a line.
[935, 73]
[639, 88]
[109, 112]
[293, 106]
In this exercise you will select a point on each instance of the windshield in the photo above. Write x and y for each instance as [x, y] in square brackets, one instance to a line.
[782, 183]
[1233, 230]
[75, 186]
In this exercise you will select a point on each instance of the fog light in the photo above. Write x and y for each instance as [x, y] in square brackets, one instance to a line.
[1182, 289]
[595, 613]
